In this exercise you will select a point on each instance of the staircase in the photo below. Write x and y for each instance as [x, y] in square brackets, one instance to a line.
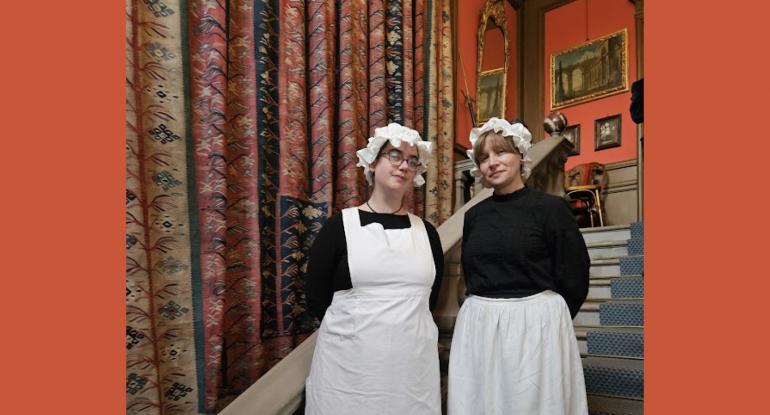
[610, 325]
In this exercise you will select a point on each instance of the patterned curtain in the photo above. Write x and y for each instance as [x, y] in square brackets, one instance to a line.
[243, 118]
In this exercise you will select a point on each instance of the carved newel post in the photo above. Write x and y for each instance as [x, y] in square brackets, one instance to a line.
[548, 176]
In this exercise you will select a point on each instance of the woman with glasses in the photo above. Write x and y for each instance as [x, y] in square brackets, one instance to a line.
[525, 266]
[374, 275]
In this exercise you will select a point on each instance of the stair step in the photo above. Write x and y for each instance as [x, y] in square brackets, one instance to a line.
[626, 342]
[582, 346]
[635, 246]
[598, 289]
[613, 277]
[605, 267]
[604, 405]
[606, 233]
[631, 265]
[617, 287]
[608, 249]
[615, 343]
[637, 230]
[580, 334]
[613, 312]
[627, 287]
[621, 313]
[615, 377]
[588, 315]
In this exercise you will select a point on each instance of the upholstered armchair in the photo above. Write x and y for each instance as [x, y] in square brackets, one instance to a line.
[585, 186]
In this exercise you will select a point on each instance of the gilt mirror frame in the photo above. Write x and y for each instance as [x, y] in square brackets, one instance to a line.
[494, 10]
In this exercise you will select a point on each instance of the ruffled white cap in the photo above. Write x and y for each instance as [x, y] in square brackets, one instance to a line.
[522, 140]
[395, 133]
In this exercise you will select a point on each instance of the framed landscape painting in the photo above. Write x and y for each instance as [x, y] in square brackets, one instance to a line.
[592, 70]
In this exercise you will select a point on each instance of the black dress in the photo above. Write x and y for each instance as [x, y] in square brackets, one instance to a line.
[523, 243]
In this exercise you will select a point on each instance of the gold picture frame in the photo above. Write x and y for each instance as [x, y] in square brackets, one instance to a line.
[592, 70]
[491, 18]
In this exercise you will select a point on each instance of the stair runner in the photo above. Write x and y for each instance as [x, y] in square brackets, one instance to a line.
[610, 329]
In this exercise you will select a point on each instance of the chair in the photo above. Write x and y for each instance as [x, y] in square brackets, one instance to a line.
[585, 185]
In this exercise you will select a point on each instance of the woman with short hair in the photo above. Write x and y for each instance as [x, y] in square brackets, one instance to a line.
[525, 266]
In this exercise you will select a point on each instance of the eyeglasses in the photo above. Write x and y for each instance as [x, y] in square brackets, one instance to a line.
[396, 157]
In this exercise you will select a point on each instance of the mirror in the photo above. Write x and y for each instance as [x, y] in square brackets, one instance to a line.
[492, 62]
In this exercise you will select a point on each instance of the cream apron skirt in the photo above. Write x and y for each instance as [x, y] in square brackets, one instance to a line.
[515, 356]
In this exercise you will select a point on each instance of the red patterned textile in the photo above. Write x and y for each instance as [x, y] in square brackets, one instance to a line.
[243, 118]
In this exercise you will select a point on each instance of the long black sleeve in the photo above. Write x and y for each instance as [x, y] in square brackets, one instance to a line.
[328, 270]
[326, 254]
[570, 262]
[438, 259]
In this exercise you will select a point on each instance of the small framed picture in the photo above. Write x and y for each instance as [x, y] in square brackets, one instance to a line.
[607, 132]
[572, 134]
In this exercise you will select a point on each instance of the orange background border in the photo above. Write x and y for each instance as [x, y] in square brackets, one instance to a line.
[706, 290]
[62, 211]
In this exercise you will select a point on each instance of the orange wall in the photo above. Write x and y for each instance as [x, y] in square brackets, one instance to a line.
[468, 16]
[565, 27]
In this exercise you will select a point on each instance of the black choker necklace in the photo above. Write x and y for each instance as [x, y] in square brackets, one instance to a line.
[374, 211]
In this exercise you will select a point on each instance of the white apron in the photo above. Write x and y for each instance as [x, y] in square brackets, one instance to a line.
[515, 356]
[377, 347]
